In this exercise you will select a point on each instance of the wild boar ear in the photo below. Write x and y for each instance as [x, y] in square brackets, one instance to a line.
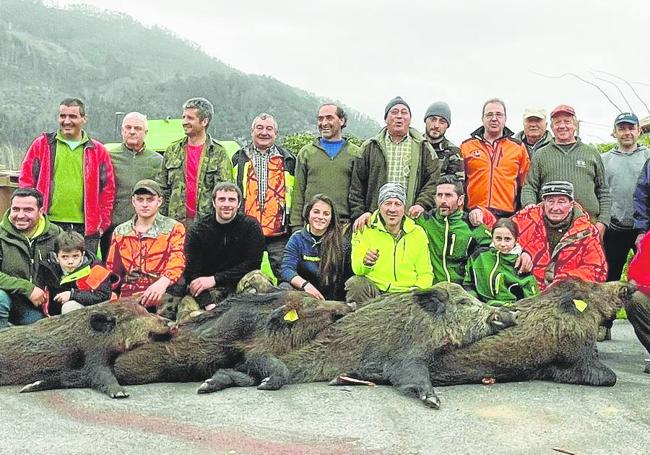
[432, 300]
[101, 322]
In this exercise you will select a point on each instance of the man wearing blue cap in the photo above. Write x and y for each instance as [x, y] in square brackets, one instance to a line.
[623, 164]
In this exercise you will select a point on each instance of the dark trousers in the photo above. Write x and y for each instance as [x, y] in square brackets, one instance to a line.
[638, 313]
[105, 242]
[91, 242]
[618, 244]
[275, 249]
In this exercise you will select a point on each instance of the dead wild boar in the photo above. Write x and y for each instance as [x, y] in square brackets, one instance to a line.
[77, 349]
[228, 336]
[390, 340]
[554, 339]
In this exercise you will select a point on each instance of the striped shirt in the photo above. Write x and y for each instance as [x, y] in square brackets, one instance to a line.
[398, 160]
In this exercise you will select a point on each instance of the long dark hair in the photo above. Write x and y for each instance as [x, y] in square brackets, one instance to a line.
[330, 269]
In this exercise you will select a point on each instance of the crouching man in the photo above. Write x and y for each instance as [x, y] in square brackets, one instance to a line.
[391, 254]
[26, 236]
[221, 248]
[147, 252]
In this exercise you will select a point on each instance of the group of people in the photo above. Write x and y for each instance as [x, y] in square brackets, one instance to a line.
[503, 215]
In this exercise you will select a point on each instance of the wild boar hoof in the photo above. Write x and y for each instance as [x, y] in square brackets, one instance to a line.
[431, 400]
[208, 386]
[33, 387]
[119, 394]
[269, 384]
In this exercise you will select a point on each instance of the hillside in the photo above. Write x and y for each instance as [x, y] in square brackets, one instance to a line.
[116, 64]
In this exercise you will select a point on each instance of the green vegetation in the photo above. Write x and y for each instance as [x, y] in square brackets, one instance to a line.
[296, 141]
[116, 64]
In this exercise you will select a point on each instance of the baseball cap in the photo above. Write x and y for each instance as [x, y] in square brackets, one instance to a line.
[537, 112]
[148, 185]
[563, 109]
[626, 117]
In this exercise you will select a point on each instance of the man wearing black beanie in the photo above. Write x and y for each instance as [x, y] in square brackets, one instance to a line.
[436, 120]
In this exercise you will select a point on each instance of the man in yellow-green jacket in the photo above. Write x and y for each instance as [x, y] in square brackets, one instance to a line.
[391, 254]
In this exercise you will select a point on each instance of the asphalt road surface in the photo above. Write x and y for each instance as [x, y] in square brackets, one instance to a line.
[510, 418]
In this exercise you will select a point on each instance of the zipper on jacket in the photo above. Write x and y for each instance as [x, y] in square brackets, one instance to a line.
[444, 250]
[491, 278]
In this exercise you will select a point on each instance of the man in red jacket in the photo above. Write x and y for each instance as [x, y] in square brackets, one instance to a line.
[560, 238]
[75, 174]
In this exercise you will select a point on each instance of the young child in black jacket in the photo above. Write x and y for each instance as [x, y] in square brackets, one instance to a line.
[73, 276]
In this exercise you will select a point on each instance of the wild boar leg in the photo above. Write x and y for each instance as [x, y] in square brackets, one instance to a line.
[102, 379]
[273, 371]
[411, 377]
[223, 378]
[587, 370]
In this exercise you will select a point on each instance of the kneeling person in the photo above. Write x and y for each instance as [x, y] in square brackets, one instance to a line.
[147, 252]
[221, 248]
[73, 276]
[391, 255]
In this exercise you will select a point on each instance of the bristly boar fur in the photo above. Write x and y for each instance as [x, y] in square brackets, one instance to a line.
[77, 349]
[394, 339]
[223, 337]
[553, 340]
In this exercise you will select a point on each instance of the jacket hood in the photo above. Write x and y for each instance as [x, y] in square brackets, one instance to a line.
[639, 148]
[7, 226]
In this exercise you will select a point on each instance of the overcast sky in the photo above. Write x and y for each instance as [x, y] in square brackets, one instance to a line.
[463, 52]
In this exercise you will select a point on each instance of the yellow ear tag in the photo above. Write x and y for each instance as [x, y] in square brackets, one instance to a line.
[581, 305]
[291, 316]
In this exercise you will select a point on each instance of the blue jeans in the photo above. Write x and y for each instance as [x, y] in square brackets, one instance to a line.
[17, 309]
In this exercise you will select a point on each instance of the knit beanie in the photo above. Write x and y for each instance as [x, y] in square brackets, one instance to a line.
[441, 109]
[395, 101]
[390, 190]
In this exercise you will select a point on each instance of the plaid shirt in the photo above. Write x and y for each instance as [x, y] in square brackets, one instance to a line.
[261, 167]
[398, 160]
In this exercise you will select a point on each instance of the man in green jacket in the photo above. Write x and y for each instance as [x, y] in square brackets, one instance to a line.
[132, 162]
[390, 255]
[398, 154]
[26, 237]
[192, 166]
[325, 166]
[452, 235]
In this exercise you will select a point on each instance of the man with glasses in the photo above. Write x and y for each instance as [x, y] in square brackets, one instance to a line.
[495, 163]
[561, 239]
[567, 158]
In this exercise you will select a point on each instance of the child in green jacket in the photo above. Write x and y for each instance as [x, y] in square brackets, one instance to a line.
[491, 274]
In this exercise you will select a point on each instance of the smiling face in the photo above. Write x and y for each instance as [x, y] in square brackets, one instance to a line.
[447, 200]
[627, 134]
[557, 208]
[264, 133]
[24, 213]
[320, 217]
[192, 123]
[392, 212]
[225, 204]
[71, 122]
[564, 128]
[503, 239]
[398, 120]
[329, 124]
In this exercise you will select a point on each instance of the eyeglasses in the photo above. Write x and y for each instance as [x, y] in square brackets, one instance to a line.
[494, 114]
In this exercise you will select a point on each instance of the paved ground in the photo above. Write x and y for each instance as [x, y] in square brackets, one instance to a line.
[514, 418]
